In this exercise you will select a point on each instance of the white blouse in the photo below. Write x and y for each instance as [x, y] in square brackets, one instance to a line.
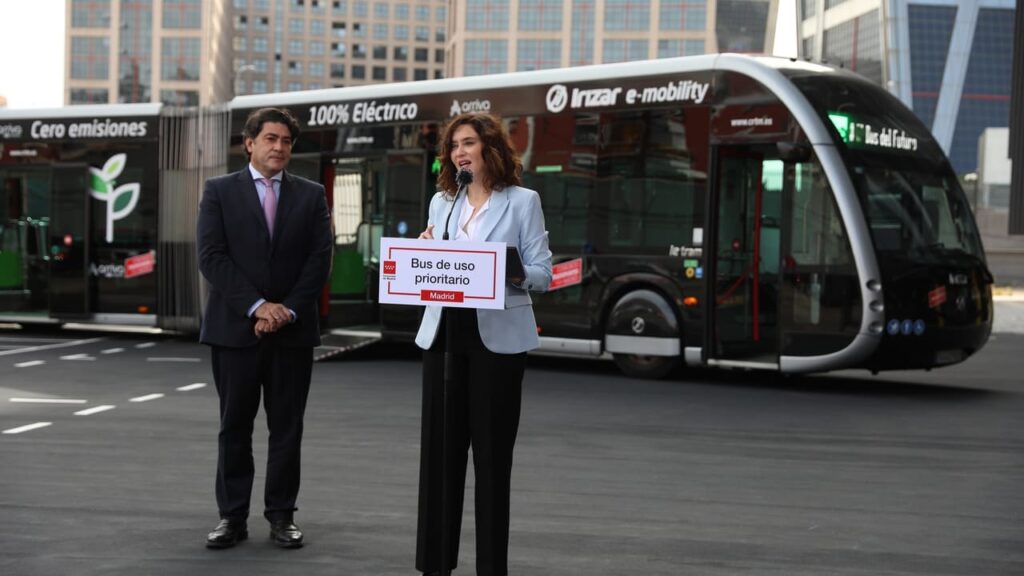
[468, 223]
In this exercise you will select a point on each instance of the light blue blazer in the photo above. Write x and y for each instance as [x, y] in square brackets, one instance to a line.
[514, 216]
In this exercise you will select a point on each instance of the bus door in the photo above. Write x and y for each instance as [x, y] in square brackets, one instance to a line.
[25, 199]
[744, 291]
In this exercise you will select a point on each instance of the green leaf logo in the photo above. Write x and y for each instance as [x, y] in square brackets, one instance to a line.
[120, 200]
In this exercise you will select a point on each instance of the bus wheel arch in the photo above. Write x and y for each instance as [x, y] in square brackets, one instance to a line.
[642, 331]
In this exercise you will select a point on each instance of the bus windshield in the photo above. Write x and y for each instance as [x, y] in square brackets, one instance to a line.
[911, 198]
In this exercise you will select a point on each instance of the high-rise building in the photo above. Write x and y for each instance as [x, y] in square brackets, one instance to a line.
[288, 45]
[494, 36]
[949, 60]
[171, 51]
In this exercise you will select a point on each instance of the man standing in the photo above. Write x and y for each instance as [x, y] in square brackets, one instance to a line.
[264, 239]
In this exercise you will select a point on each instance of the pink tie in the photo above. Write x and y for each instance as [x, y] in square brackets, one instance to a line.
[269, 204]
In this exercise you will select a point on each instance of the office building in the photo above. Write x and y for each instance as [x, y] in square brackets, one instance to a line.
[171, 51]
[949, 60]
[495, 36]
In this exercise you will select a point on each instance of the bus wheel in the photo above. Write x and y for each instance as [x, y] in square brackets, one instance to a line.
[648, 367]
[642, 334]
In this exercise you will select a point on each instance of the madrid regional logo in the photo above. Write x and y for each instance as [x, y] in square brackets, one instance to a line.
[120, 200]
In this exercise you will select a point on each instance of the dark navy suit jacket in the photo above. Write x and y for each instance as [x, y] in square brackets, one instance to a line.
[243, 264]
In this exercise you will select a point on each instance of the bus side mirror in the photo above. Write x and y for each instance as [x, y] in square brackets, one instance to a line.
[793, 151]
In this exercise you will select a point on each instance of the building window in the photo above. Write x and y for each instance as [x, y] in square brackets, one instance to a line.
[360, 9]
[339, 8]
[486, 57]
[540, 14]
[380, 52]
[296, 47]
[624, 50]
[358, 30]
[259, 87]
[380, 73]
[259, 65]
[179, 97]
[627, 15]
[317, 28]
[90, 58]
[538, 54]
[294, 86]
[316, 48]
[337, 70]
[359, 72]
[422, 34]
[241, 22]
[682, 15]
[439, 55]
[240, 44]
[179, 59]
[298, 5]
[401, 32]
[401, 53]
[89, 96]
[398, 74]
[742, 26]
[338, 29]
[90, 14]
[673, 48]
[338, 49]
[438, 74]
[581, 43]
[261, 24]
[439, 34]
[261, 4]
[181, 14]
[931, 28]
[295, 67]
[487, 14]
[316, 69]
[421, 55]
[259, 45]
[296, 26]
[359, 50]
[419, 74]
[380, 31]
[381, 10]
[422, 13]
[401, 11]
[441, 15]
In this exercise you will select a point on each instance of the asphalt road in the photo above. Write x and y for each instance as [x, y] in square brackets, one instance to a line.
[718, 473]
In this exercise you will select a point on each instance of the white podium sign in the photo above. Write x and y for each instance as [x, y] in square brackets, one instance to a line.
[442, 273]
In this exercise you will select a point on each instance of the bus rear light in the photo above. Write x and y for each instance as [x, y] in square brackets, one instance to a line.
[690, 302]
[142, 309]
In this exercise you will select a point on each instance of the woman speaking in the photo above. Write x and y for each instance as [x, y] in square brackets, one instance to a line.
[481, 200]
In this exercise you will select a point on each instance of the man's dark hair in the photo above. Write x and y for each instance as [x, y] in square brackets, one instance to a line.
[254, 123]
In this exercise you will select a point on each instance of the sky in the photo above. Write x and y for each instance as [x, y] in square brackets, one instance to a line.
[32, 50]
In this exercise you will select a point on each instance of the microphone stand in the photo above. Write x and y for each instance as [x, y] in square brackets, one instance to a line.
[464, 178]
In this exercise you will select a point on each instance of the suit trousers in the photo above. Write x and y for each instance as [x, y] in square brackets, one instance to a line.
[483, 407]
[282, 374]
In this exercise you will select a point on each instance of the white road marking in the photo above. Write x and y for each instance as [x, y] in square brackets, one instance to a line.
[112, 351]
[95, 410]
[26, 428]
[49, 401]
[29, 363]
[171, 359]
[82, 356]
[24, 338]
[146, 398]
[146, 345]
[50, 346]
[195, 386]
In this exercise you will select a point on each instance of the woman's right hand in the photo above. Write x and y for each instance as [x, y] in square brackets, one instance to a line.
[427, 234]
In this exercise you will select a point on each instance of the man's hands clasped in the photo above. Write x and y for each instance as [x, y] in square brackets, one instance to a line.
[271, 317]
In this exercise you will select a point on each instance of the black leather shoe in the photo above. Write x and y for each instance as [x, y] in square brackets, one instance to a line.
[286, 534]
[227, 534]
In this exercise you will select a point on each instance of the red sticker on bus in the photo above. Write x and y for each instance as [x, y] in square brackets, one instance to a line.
[140, 264]
[566, 274]
[937, 297]
[441, 296]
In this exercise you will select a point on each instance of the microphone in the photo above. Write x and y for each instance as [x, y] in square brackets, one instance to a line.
[464, 178]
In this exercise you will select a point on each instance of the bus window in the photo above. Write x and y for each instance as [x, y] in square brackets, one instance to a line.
[821, 303]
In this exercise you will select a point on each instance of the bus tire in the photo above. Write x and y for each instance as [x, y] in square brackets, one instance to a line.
[638, 321]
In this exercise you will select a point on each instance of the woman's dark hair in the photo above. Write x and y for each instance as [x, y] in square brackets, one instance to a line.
[254, 123]
[503, 165]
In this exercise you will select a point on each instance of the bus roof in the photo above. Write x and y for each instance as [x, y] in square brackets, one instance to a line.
[106, 110]
[537, 77]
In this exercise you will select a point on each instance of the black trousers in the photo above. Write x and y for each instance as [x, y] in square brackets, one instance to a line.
[484, 400]
[282, 374]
